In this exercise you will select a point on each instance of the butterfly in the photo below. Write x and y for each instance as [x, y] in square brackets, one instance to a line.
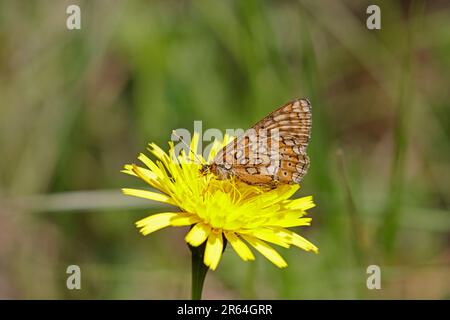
[270, 153]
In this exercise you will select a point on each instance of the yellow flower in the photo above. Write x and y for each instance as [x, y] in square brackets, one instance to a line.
[243, 214]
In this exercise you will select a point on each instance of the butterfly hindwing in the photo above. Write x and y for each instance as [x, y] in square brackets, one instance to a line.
[292, 120]
[273, 150]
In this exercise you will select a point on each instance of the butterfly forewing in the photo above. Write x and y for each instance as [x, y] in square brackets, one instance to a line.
[273, 150]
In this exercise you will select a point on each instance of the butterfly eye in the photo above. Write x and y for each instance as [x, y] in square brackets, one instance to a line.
[204, 169]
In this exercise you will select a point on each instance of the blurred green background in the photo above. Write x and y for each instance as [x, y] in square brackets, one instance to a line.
[77, 105]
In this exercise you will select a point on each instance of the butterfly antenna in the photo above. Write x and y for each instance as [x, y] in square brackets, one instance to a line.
[188, 146]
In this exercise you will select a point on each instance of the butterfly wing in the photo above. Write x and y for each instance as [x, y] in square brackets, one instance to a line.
[292, 120]
[274, 149]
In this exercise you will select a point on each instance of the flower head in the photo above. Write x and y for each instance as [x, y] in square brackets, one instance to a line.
[216, 209]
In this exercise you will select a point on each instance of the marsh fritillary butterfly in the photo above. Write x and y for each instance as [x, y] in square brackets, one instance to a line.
[271, 152]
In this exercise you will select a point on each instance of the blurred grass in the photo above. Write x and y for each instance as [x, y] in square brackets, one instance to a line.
[77, 105]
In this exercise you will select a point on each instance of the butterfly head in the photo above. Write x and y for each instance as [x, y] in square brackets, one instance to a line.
[219, 170]
[205, 169]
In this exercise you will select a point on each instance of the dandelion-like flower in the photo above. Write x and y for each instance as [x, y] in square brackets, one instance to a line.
[246, 216]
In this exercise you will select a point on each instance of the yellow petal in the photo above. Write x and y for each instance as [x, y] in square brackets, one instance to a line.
[148, 176]
[148, 195]
[294, 222]
[158, 152]
[268, 235]
[267, 251]
[128, 169]
[304, 244]
[146, 172]
[149, 163]
[213, 250]
[298, 240]
[239, 246]
[184, 219]
[155, 222]
[304, 203]
[157, 170]
[274, 196]
[198, 234]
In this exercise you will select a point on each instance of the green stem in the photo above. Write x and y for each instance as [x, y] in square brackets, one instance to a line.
[199, 271]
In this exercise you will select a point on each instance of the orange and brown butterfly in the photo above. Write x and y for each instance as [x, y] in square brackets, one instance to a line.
[271, 152]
